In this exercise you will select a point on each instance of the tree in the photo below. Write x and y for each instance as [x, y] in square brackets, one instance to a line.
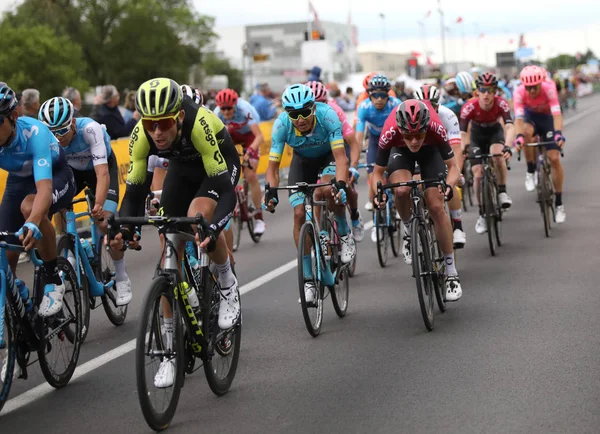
[35, 57]
[562, 61]
[214, 65]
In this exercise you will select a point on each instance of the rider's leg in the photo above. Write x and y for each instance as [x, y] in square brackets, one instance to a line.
[252, 179]
[455, 204]
[530, 155]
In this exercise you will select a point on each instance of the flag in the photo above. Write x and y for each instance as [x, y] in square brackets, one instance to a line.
[312, 10]
[522, 42]
[415, 54]
[429, 62]
[427, 14]
[459, 20]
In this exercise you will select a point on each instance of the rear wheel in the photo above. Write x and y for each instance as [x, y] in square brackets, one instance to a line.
[105, 272]
[313, 311]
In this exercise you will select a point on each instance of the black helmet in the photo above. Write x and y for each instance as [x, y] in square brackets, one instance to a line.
[8, 100]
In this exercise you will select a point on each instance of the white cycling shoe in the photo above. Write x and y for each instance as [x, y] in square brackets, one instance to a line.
[358, 229]
[53, 299]
[124, 294]
[165, 377]
[453, 288]
[229, 308]
[561, 216]
[348, 248]
[259, 227]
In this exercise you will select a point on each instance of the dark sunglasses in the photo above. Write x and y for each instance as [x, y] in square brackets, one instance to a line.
[164, 124]
[225, 109]
[530, 88]
[378, 95]
[1, 120]
[303, 113]
[485, 89]
[411, 136]
[61, 131]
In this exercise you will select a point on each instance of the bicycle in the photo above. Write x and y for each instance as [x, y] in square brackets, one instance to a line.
[467, 187]
[196, 333]
[96, 270]
[388, 226]
[427, 258]
[327, 269]
[244, 211]
[492, 211]
[23, 331]
[545, 187]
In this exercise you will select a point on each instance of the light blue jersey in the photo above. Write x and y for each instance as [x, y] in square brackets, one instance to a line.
[244, 116]
[368, 116]
[33, 151]
[89, 147]
[325, 136]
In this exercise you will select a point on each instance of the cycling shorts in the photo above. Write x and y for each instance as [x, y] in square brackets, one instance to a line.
[428, 158]
[304, 169]
[245, 140]
[17, 188]
[482, 138]
[543, 126]
[87, 178]
[373, 145]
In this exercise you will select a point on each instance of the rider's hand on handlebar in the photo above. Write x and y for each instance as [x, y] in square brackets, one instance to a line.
[354, 175]
[118, 243]
[507, 153]
[519, 142]
[379, 205]
[97, 212]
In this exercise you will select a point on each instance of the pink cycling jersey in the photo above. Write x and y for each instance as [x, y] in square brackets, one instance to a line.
[546, 102]
[346, 127]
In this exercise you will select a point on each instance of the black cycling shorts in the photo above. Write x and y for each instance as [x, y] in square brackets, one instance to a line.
[87, 178]
[428, 158]
[482, 138]
[307, 170]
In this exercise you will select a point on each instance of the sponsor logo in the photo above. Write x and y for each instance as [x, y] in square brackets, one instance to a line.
[90, 130]
[439, 129]
[98, 157]
[387, 136]
[213, 193]
[42, 162]
[208, 133]
[504, 106]
[549, 134]
[56, 195]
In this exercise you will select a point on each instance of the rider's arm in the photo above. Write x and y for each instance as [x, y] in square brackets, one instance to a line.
[42, 143]
[278, 137]
[258, 137]
[361, 115]
[355, 149]
[453, 171]
[519, 108]
[554, 107]
[464, 121]
[136, 189]
[93, 135]
[509, 128]
[334, 128]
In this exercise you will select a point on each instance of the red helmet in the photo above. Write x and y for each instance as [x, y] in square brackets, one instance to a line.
[487, 79]
[318, 90]
[368, 79]
[227, 98]
[532, 75]
[413, 116]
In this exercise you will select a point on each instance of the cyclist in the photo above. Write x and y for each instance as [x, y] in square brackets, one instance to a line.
[464, 91]
[193, 93]
[537, 112]
[374, 112]
[414, 133]
[39, 183]
[487, 136]
[203, 167]
[352, 152]
[86, 146]
[450, 123]
[242, 123]
[314, 132]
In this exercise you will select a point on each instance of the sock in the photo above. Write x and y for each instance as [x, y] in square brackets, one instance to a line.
[258, 215]
[480, 210]
[168, 323]
[354, 215]
[450, 268]
[457, 224]
[226, 277]
[531, 167]
[121, 271]
[343, 228]
[307, 266]
[558, 200]
[501, 188]
[456, 214]
[51, 272]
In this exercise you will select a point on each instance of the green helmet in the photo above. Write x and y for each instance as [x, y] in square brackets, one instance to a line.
[158, 97]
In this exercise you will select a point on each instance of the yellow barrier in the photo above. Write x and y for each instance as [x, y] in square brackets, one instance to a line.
[121, 150]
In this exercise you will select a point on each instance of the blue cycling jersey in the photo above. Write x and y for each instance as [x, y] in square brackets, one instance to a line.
[374, 119]
[244, 116]
[32, 152]
[507, 93]
[325, 136]
[89, 147]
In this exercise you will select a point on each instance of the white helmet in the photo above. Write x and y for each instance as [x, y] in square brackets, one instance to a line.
[193, 93]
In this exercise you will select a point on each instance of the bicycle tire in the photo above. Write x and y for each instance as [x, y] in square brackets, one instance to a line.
[10, 355]
[395, 232]
[422, 268]
[223, 348]
[104, 273]
[546, 200]
[438, 269]
[352, 267]
[308, 230]
[61, 379]
[251, 219]
[66, 244]
[381, 235]
[236, 227]
[160, 287]
[341, 293]
[488, 210]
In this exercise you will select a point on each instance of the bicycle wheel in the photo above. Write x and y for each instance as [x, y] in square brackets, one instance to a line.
[468, 182]
[546, 200]
[58, 355]
[341, 293]
[8, 355]
[105, 272]
[422, 270]
[251, 220]
[313, 311]
[152, 349]
[439, 269]
[381, 231]
[489, 211]
[236, 228]
[223, 351]
[395, 232]
[66, 249]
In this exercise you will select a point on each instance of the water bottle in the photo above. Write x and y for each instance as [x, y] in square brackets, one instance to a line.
[324, 241]
[191, 294]
[24, 291]
[87, 247]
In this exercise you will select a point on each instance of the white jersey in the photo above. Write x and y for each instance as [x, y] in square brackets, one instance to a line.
[450, 122]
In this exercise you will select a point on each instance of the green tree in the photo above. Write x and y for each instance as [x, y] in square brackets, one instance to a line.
[35, 57]
[562, 61]
[215, 65]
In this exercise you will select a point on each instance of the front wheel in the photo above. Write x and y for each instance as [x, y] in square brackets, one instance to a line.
[236, 230]
[489, 213]
[8, 355]
[341, 292]
[311, 311]
[422, 271]
[382, 234]
[105, 272]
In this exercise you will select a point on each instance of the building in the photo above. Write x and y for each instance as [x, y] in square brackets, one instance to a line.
[390, 64]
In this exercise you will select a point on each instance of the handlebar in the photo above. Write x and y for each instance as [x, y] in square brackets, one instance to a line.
[14, 247]
[487, 156]
[303, 187]
[541, 144]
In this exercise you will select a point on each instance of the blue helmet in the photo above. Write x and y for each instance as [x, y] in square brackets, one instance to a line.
[8, 100]
[464, 82]
[297, 96]
[56, 112]
[379, 82]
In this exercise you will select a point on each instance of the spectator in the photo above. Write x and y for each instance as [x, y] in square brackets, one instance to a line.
[347, 101]
[129, 106]
[400, 92]
[265, 106]
[74, 96]
[31, 102]
[107, 112]
[314, 74]
[19, 96]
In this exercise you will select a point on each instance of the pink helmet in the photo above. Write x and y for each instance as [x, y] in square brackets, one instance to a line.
[532, 75]
[318, 90]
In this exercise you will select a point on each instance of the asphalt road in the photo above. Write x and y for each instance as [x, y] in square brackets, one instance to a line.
[518, 353]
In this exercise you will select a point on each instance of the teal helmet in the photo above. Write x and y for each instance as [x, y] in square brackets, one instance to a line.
[297, 96]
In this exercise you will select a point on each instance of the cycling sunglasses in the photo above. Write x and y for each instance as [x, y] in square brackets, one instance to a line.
[164, 124]
[303, 113]
[225, 109]
[378, 95]
[486, 89]
[61, 131]
[2, 120]
[532, 88]
[411, 136]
